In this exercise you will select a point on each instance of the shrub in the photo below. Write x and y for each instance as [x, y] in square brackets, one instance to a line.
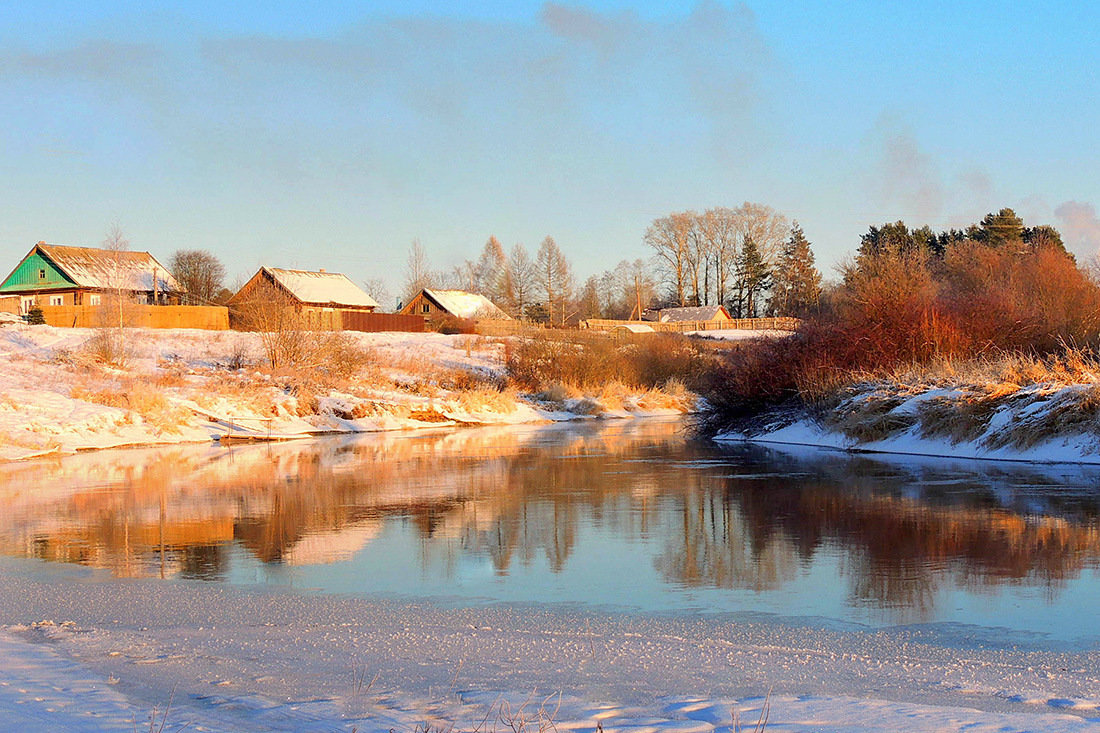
[108, 346]
[588, 361]
[904, 309]
[35, 316]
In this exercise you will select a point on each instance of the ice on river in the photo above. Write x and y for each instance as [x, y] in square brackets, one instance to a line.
[84, 653]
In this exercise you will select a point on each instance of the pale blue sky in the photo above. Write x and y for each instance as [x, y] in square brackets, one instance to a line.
[332, 134]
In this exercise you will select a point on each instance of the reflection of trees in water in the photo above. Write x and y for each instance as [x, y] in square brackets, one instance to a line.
[708, 545]
[896, 535]
[751, 532]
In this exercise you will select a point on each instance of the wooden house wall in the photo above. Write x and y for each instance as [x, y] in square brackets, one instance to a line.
[35, 272]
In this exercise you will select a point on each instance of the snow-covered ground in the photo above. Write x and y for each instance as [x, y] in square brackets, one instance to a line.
[739, 334]
[193, 386]
[1043, 422]
[82, 653]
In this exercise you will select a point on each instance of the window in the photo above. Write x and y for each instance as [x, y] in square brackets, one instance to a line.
[93, 299]
[57, 300]
[25, 304]
[425, 308]
[41, 274]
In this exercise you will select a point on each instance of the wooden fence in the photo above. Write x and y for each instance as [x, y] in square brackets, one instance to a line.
[734, 324]
[373, 322]
[502, 327]
[207, 317]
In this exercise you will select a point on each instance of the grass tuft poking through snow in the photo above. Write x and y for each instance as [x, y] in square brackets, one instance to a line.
[1015, 406]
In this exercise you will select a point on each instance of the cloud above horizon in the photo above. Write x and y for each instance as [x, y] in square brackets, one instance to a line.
[359, 133]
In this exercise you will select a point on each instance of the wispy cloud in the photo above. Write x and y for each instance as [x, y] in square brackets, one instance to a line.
[1080, 227]
[903, 175]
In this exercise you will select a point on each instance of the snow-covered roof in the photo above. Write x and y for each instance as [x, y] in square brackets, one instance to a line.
[90, 267]
[700, 313]
[466, 305]
[634, 328]
[322, 287]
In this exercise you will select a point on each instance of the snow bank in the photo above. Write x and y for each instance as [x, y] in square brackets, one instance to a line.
[196, 386]
[1045, 423]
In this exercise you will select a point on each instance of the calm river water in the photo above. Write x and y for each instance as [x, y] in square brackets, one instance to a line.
[628, 515]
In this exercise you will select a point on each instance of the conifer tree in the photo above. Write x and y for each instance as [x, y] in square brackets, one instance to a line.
[797, 287]
[753, 276]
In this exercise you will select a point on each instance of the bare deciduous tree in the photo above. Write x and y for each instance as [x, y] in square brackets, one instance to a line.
[555, 279]
[519, 281]
[377, 288]
[697, 253]
[669, 237]
[199, 273]
[418, 274]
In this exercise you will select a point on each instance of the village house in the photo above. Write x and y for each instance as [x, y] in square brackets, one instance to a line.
[439, 305]
[62, 275]
[698, 314]
[319, 298]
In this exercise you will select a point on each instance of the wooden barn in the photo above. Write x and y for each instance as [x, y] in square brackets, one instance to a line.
[439, 305]
[318, 299]
[699, 314]
[62, 275]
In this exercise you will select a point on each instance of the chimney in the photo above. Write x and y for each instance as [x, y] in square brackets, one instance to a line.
[321, 270]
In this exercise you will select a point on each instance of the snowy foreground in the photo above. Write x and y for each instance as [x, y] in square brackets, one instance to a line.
[1049, 422]
[195, 386]
[88, 655]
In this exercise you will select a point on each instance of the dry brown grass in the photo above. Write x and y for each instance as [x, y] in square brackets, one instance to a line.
[139, 398]
[590, 360]
[108, 346]
[871, 416]
[1069, 412]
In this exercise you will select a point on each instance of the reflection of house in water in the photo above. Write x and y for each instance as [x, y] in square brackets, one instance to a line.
[502, 496]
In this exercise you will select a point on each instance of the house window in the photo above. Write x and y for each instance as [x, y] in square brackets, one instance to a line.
[93, 299]
[25, 305]
[41, 274]
[57, 300]
[425, 308]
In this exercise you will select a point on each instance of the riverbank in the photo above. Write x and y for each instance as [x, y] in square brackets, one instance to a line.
[1048, 416]
[175, 386]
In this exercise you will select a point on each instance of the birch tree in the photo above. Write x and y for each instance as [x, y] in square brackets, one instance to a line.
[669, 238]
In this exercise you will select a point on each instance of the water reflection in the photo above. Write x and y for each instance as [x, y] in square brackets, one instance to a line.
[746, 521]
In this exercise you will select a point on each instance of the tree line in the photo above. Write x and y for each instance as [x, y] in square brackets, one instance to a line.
[749, 259]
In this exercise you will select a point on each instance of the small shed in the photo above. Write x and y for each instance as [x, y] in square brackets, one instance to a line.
[64, 275]
[438, 305]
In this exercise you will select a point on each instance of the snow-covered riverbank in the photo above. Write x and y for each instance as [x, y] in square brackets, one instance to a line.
[103, 654]
[195, 386]
[1047, 422]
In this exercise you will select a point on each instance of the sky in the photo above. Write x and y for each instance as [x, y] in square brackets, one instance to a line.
[333, 134]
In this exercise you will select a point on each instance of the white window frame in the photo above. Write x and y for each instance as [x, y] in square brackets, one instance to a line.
[94, 299]
[26, 303]
[57, 300]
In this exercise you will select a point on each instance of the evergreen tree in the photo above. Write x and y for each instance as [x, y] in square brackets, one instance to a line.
[797, 287]
[753, 277]
[1044, 235]
[897, 238]
[1000, 229]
